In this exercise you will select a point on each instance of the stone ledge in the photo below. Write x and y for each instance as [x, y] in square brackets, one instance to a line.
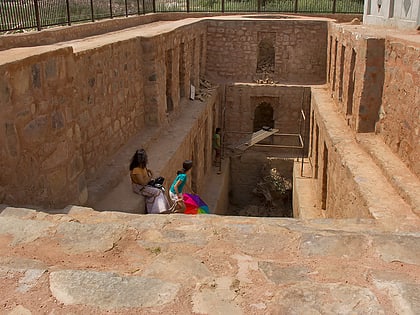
[397, 173]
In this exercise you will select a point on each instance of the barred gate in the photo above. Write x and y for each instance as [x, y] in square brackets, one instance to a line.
[18, 15]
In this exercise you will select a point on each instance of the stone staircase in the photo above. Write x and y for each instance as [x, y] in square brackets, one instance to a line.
[396, 172]
[110, 189]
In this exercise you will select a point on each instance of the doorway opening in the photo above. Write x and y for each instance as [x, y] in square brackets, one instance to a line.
[266, 56]
[263, 116]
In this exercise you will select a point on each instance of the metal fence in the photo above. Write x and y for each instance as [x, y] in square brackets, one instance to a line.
[18, 15]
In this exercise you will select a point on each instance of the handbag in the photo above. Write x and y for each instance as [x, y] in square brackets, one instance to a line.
[157, 182]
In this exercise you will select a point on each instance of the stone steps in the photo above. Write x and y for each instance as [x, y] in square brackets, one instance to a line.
[397, 173]
[115, 171]
[110, 189]
[377, 197]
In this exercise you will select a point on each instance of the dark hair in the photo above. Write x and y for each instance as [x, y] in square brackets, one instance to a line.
[139, 159]
[186, 165]
[218, 129]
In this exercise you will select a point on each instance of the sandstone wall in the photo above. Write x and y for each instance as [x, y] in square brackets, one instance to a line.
[337, 190]
[299, 45]
[374, 79]
[196, 145]
[355, 74]
[286, 102]
[400, 111]
[41, 153]
[66, 112]
[248, 169]
[173, 61]
[108, 99]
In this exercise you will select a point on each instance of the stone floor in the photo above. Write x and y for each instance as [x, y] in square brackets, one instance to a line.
[87, 262]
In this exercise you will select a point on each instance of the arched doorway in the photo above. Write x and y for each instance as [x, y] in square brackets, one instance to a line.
[263, 116]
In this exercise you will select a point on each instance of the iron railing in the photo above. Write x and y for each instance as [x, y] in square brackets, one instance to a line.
[18, 15]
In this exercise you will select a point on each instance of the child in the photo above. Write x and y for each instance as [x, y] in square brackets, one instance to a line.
[175, 192]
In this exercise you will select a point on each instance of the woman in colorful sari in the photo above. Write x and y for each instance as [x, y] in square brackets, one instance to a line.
[141, 177]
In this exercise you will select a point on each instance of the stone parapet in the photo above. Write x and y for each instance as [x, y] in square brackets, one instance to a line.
[75, 261]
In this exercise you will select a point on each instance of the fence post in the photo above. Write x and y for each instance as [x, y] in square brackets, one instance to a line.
[223, 6]
[38, 20]
[259, 6]
[91, 11]
[154, 6]
[334, 6]
[110, 9]
[296, 6]
[126, 8]
[144, 10]
[68, 12]
[188, 6]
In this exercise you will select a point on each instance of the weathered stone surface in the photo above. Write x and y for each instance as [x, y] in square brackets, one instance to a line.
[17, 212]
[403, 292]
[399, 248]
[151, 263]
[283, 274]
[348, 246]
[30, 279]
[326, 298]
[20, 310]
[218, 297]
[21, 264]
[176, 268]
[23, 231]
[78, 238]
[108, 290]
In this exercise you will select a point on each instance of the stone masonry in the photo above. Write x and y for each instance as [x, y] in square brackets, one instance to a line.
[74, 109]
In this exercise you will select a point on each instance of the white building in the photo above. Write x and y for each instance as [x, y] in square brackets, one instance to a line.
[404, 14]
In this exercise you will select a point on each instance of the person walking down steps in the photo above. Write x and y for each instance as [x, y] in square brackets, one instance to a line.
[142, 183]
[175, 192]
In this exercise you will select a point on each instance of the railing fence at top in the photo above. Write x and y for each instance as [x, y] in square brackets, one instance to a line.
[17, 15]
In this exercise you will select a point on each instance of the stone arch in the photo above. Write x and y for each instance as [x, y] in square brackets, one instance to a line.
[263, 116]
[266, 56]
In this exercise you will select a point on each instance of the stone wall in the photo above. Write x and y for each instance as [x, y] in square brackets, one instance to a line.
[399, 122]
[40, 153]
[286, 102]
[355, 74]
[172, 63]
[336, 186]
[374, 81]
[108, 99]
[248, 169]
[299, 46]
[66, 110]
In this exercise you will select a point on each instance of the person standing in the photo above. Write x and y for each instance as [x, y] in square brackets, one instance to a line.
[216, 144]
[175, 192]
